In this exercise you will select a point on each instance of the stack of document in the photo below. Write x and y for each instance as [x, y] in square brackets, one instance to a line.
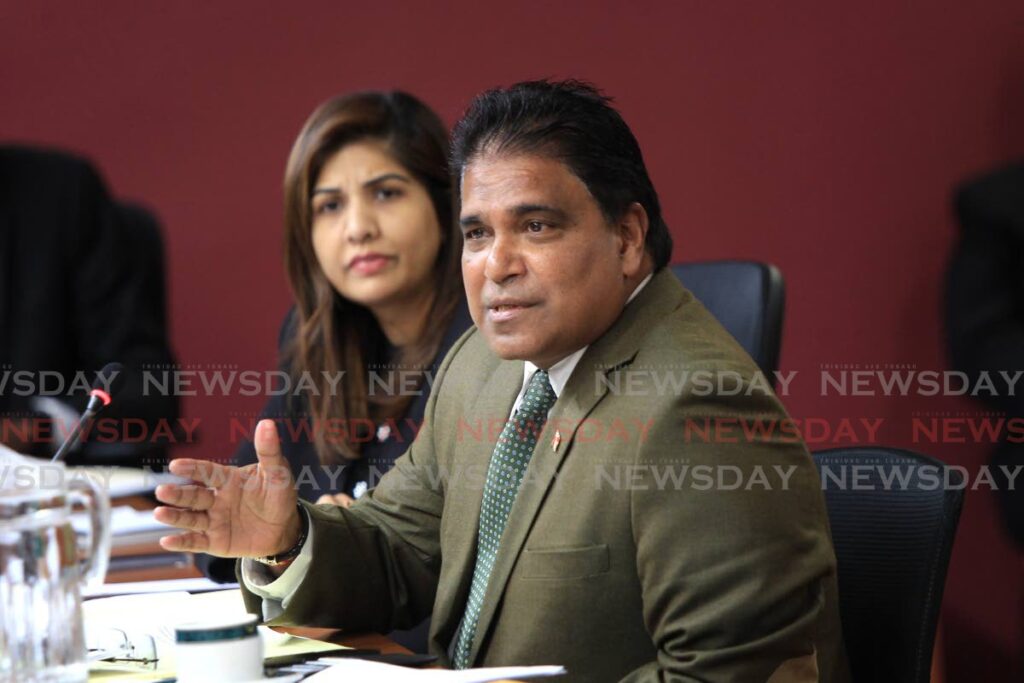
[131, 527]
[128, 527]
[191, 585]
[134, 540]
[348, 670]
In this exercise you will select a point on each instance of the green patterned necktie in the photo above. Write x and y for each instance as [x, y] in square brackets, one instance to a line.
[504, 475]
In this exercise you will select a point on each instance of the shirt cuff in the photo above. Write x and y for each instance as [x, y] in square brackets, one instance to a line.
[277, 591]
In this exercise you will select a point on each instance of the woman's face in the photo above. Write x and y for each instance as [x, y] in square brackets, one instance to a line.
[375, 232]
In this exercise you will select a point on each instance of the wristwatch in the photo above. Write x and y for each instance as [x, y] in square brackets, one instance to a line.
[289, 555]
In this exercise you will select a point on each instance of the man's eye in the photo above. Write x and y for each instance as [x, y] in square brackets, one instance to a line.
[536, 226]
[474, 234]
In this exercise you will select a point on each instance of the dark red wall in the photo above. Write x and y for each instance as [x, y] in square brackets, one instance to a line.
[824, 137]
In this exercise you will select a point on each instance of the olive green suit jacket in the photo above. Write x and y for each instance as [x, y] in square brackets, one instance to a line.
[616, 562]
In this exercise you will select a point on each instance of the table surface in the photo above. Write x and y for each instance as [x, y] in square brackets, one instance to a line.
[369, 641]
[373, 641]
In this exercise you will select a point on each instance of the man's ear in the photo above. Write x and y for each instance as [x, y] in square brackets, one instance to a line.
[632, 229]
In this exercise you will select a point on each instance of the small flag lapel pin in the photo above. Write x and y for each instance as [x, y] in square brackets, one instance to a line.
[556, 441]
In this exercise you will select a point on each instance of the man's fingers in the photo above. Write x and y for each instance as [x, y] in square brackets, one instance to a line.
[186, 496]
[182, 519]
[167, 493]
[336, 499]
[193, 541]
[205, 472]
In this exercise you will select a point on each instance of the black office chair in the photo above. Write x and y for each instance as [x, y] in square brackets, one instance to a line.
[893, 543]
[143, 243]
[747, 297]
[142, 301]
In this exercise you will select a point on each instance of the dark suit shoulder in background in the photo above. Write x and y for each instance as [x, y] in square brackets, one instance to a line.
[77, 291]
[985, 308]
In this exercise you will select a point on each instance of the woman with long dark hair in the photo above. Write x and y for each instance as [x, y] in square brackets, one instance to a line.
[372, 254]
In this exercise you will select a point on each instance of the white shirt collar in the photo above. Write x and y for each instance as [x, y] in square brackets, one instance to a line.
[560, 372]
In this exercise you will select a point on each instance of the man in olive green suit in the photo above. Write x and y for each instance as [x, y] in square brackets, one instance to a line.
[596, 529]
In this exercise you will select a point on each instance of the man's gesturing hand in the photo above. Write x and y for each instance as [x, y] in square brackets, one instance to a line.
[233, 511]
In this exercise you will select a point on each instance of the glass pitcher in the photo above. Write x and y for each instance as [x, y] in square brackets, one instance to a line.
[42, 566]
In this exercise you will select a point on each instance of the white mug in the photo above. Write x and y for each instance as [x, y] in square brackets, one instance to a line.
[226, 650]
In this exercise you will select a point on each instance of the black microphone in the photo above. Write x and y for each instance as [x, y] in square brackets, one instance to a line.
[98, 400]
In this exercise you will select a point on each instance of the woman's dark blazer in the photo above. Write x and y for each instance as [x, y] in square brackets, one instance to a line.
[313, 479]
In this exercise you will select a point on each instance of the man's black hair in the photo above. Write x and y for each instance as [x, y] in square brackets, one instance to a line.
[573, 122]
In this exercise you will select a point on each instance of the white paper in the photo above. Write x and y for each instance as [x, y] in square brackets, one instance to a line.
[137, 617]
[197, 585]
[344, 670]
[110, 622]
[156, 615]
[125, 519]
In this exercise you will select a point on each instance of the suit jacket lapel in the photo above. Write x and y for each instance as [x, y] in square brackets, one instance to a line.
[614, 350]
[465, 493]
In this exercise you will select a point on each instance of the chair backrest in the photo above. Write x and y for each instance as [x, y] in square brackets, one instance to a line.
[893, 521]
[143, 245]
[747, 297]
